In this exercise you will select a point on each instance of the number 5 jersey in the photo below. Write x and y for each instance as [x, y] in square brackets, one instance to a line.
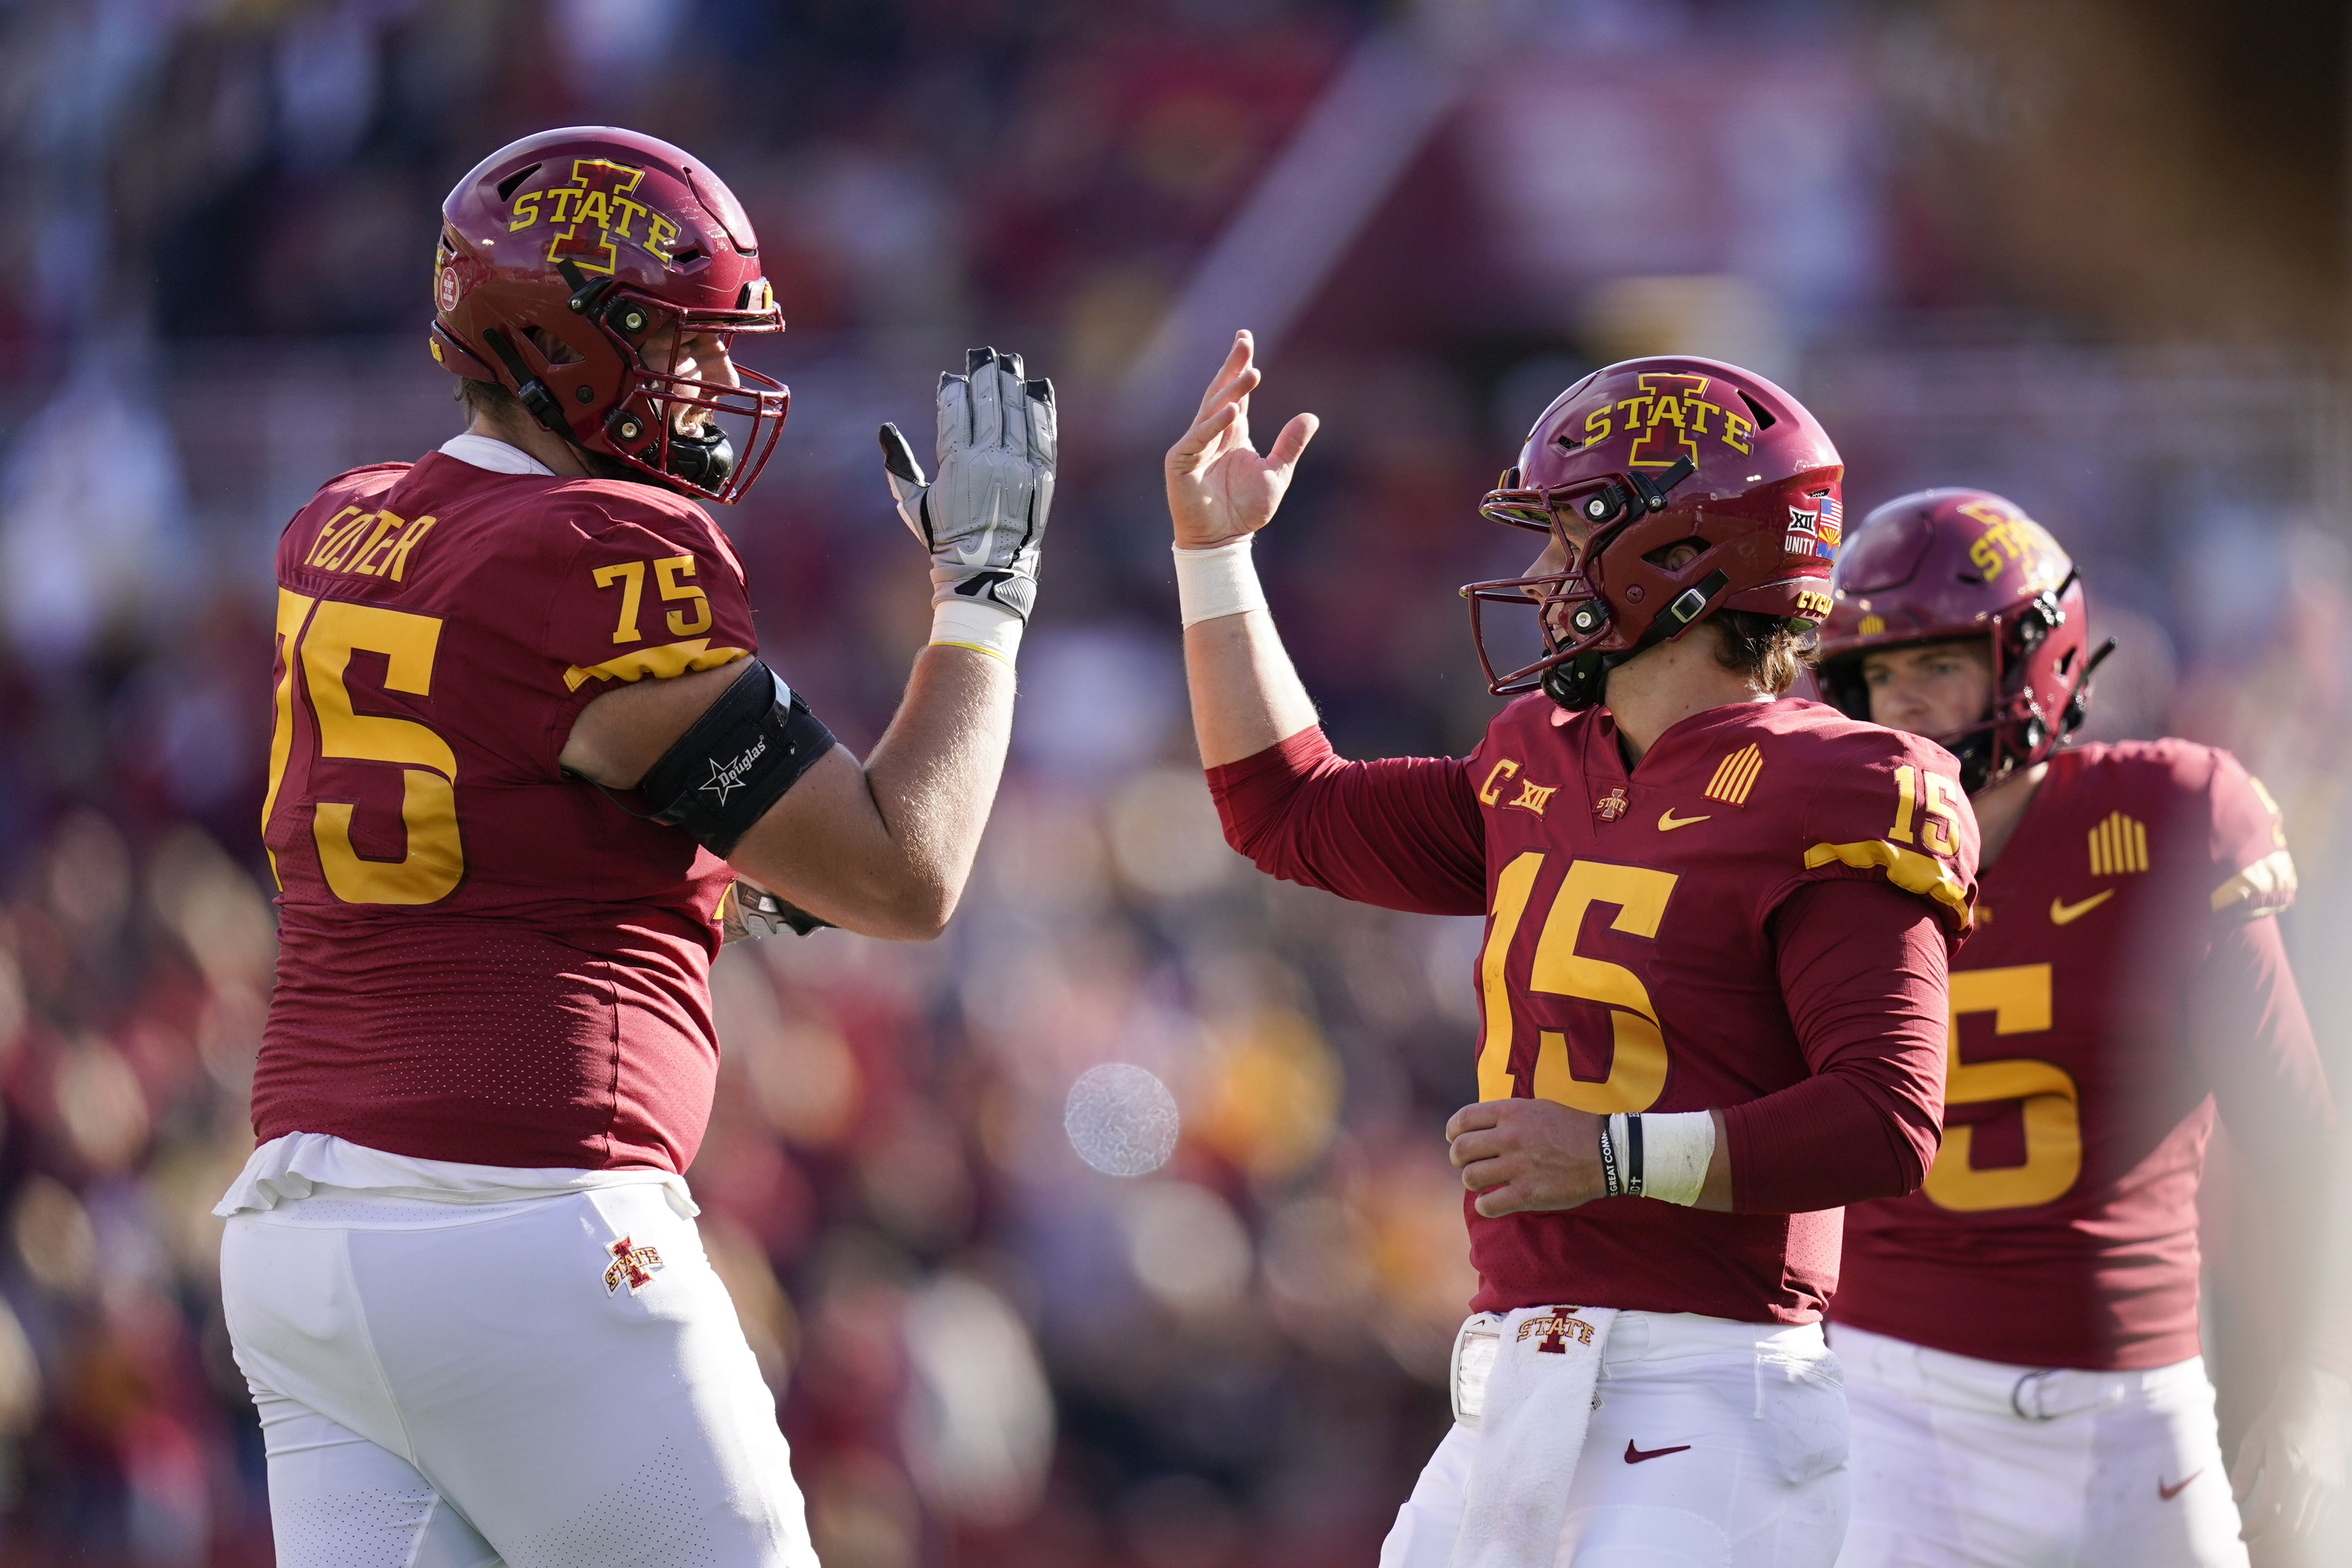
[1754, 918]
[2125, 977]
[481, 961]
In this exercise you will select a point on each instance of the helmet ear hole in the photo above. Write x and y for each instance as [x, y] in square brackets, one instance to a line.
[552, 349]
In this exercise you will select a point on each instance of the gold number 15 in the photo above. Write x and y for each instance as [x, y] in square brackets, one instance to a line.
[1637, 1067]
[2019, 997]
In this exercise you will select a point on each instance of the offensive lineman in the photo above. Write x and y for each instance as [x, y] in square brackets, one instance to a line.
[2021, 1337]
[523, 743]
[1714, 976]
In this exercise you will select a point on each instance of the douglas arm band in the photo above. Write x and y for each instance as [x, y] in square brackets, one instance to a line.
[736, 760]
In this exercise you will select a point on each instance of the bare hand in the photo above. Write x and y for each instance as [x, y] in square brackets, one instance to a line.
[2291, 1465]
[1219, 488]
[1521, 1155]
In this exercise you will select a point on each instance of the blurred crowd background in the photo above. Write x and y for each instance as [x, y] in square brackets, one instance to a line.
[2091, 255]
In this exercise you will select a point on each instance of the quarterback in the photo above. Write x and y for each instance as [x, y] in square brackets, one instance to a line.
[2021, 1336]
[1713, 980]
[524, 748]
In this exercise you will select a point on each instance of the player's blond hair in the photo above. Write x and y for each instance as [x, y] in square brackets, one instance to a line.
[1769, 650]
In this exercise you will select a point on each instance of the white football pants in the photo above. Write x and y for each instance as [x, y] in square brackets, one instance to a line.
[445, 1385]
[1714, 1444]
[1962, 1463]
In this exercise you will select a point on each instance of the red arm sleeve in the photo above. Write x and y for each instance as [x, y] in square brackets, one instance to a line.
[1862, 966]
[1402, 833]
[2254, 1043]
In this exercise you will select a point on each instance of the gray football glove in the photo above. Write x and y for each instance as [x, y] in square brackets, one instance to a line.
[984, 517]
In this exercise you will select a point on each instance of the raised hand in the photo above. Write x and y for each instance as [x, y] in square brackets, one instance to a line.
[1219, 488]
[983, 517]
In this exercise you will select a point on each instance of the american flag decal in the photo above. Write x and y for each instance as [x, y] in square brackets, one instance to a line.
[1831, 526]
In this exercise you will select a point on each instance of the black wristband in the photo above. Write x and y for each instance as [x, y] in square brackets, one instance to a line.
[1633, 1156]
[1610, 1184]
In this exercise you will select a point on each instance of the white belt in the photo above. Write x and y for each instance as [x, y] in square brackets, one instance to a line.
[2027, 1393]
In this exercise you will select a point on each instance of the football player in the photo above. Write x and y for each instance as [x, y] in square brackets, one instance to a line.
[2021, 1336]
[1712, 979]
[524, 744]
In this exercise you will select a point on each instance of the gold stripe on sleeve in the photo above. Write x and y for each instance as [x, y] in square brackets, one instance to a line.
[1906, 869]
[2273, 874]
[669, 660]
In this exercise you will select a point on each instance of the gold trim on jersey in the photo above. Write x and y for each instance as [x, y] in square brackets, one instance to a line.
[2270, 875]
[1735, 776]
[1906, 869]
[2278, 818]
[2118, 844]
[669, 660]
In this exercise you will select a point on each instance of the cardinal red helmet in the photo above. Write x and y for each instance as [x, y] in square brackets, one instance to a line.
[562, 254]
[1634, 460]
[1941, 564]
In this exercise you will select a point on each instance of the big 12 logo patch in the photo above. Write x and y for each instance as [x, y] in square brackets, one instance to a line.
[1815, 530]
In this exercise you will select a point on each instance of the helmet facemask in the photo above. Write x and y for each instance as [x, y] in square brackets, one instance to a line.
[1583, 637]
[2014, 731]
[653, 427]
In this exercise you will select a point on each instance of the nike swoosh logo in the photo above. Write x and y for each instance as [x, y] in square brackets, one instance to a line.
[1668, 821]
[2165, 1494]
[2064, 913]
[1634, 1455]
[987, 531]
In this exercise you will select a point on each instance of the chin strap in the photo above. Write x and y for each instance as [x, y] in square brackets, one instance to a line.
[528, 388]
[1576, 684]
[1976, 751]
[702, 461]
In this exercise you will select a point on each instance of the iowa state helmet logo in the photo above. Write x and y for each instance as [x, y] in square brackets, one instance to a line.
[596, 215]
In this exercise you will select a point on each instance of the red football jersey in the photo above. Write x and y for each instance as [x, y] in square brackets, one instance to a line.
[481, 959]
[1642, 928]
[2122, 976]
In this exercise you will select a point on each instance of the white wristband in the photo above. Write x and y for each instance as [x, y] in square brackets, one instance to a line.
[982, 628]
[1216, 581]
[1675, 1148]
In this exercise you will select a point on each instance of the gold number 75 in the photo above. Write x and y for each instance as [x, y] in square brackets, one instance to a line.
[321, 635]
[631, 577]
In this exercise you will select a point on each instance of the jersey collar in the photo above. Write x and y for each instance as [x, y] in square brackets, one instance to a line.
[497, 456]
